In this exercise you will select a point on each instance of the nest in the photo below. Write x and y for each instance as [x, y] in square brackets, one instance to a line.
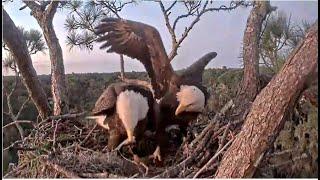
[71, 147]
[75, 148]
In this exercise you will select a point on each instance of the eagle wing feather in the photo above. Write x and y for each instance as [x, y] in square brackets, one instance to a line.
[106, 101]
[139, 41]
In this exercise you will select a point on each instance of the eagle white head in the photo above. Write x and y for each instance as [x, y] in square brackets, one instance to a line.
[191, 99]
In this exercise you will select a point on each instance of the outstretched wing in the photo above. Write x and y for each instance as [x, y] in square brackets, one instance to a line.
[140, 41]
[193, 74]
[124, 37]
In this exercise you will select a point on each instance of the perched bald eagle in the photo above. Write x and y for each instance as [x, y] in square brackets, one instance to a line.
[181, 97]
[126, 111]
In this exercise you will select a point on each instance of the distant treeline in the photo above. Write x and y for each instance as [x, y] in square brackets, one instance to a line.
[85, 88]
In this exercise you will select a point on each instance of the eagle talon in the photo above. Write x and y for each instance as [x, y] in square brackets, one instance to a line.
[156, 155]
[125, 142]
[138, 162]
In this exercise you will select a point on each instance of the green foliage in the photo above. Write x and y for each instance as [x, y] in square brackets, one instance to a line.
[80, 23]
[279, 37]
[34, 41]
[84, 16]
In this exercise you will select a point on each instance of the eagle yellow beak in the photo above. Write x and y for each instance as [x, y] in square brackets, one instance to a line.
[180, 109]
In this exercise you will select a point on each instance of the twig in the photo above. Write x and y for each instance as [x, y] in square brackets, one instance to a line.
[78, 129]
[11, 173]
[303, 156]
[223, 138]
[281, 152]
[95, 175]
[212, 159]
[135, 175]
[60, 169]
[55, 133]
[13, 144]
[222, 112]
[18, 121]
[64, 116]
[87, 137]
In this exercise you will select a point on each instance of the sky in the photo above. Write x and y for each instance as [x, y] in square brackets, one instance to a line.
[221, 32]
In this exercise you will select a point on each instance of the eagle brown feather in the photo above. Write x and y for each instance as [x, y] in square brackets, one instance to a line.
[143, 42]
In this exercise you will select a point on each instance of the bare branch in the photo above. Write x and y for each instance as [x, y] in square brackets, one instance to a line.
[18, 121]
[170, 29]
[52, 9]
[22, 107]
[212, 159]
[194, 8]
[171, 6]
[60, 169]
[32, 5]
[89, 134]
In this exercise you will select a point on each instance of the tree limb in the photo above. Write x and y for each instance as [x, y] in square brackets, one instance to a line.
[51, 10]
[32, 5]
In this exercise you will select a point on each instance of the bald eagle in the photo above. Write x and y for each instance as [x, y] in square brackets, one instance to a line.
[181, 97]
[126, 111]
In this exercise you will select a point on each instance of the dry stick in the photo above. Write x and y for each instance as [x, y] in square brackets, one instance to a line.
[78, 129]
[21, 166]
[299, 158]
[212, 159]
[54, 133]
[281, 152]
[87, 137]
[13, 144]
[223, 110]
[223, 138]
[95, 175]
[20, 121]
[176, 169]
[11, 173]
[208, 138]
[64, 116]
[60, 169]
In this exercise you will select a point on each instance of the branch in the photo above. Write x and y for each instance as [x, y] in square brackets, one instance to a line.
[292, 161]
[65, 116]
[55, 134]
[32, 5]
[51, 10]
[18, 121]
[13, 145]
[170, 29]
[22, 107]
[192, 11]
[171, 6]
[60, 169]
[212, 159]
[87, 137]
[96, 175]
[113, 9]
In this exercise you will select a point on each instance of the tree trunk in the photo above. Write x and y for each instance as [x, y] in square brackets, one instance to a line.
[122, 67]
[15, 41]
[270, 110]
[250, 82]
[44, 16]
[58, 82]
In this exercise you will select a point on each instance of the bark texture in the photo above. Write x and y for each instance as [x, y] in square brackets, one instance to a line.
[270, 109]
[15, 41]
[122, 67]
[250, 85]
[44, 16]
